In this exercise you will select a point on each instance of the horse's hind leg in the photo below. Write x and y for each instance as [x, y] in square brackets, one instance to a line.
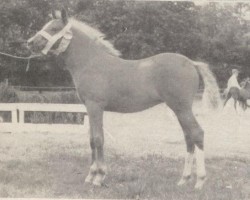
[189, 159]
[235, 104]
[194, 136]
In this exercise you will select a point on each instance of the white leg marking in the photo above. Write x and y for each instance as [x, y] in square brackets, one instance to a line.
[200, 162]
[201, 171]
[189, 159]
[92, 173]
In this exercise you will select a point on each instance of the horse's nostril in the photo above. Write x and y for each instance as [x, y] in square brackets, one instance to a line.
[29, 43]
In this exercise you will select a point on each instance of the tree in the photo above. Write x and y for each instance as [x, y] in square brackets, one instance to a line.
[214, 33]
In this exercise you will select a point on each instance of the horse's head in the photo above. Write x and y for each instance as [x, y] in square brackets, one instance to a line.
[247, 86]
[51, 35]
[246, 83]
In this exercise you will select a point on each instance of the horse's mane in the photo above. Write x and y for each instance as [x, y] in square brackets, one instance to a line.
[95, 35]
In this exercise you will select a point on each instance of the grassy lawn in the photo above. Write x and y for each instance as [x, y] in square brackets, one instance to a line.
[145, 157]
[60, 174]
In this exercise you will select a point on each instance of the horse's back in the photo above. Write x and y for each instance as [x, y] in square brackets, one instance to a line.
[166, 77]
[175, 78]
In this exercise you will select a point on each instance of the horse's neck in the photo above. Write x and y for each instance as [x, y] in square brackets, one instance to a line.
[81, 53]
[247, 87]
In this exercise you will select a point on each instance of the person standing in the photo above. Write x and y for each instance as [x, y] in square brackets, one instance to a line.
[232, 81]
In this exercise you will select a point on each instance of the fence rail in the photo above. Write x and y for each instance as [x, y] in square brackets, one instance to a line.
[18, 113]
[31, 88]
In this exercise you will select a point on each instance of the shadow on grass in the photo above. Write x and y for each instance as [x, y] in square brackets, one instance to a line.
[61, 175]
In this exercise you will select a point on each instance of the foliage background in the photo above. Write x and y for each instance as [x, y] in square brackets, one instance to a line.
[215, 33]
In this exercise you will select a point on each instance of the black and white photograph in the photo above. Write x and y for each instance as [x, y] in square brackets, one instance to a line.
[125, 99]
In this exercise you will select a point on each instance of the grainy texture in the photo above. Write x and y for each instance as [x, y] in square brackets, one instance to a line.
[145, 151]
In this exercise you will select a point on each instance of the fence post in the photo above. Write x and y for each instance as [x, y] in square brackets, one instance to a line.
[21, 116]
[14, 116]
[18, 116]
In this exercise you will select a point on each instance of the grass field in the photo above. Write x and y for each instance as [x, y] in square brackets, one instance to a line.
[144, 152]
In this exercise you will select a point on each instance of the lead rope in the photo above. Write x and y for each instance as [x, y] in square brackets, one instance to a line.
[21, 58]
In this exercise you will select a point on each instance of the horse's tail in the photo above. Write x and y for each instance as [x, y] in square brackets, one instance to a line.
[211, 96]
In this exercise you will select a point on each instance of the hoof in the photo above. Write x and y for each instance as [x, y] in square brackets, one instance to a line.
[199, 183]
[98, 180]
[89, 178]
[184, 180]
[97, 183]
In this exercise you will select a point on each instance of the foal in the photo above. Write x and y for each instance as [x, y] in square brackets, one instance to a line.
[106, 82]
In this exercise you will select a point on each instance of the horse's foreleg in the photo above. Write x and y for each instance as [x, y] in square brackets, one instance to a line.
[98, 169]
[228, 97]
[245, 106]
[194, 136]
[101, 167]
[93, 168]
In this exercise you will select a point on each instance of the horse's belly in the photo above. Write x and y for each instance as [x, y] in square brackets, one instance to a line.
[128, 105]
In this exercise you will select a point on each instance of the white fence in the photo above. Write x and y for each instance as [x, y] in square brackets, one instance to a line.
[18, 112]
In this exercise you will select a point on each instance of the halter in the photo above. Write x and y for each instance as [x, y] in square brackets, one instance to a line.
[65, 34]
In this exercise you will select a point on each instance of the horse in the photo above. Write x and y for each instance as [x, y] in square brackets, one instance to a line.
[239, 95]
[106, 82]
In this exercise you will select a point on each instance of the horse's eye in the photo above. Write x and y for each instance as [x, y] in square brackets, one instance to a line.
[54, 29]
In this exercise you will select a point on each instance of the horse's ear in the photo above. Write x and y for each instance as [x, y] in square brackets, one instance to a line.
[64, 15]
[53, 14]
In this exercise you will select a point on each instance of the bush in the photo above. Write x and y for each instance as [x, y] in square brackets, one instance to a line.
[7, 94]
[10, 95]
